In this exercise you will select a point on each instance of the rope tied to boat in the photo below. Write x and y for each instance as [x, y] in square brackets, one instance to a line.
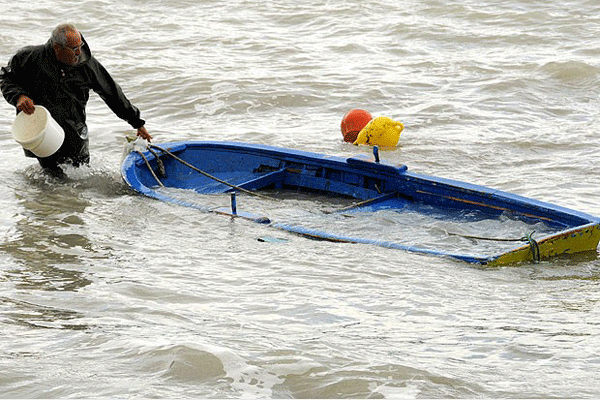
[241, 189]
[150, 168]
[159, 164]
[533, 245]
[161, 172]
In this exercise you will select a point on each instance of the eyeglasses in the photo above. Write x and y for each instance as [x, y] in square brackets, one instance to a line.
[74, 49]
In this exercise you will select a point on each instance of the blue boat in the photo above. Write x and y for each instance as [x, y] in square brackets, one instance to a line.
[359, 200]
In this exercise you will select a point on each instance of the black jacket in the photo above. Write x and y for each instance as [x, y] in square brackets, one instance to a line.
[64, 90]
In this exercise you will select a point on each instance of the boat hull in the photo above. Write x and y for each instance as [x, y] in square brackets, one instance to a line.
[226, 167]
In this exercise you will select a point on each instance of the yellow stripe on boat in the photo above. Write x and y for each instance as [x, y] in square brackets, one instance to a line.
[584, 238]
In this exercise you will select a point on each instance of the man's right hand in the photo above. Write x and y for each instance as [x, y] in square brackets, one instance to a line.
[25, 104]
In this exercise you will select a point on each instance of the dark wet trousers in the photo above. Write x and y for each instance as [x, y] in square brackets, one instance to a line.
[67, 154]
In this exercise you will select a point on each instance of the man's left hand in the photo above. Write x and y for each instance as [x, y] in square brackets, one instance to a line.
[143, 133]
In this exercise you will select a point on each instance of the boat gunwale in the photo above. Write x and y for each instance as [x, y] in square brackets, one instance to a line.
[379, 170]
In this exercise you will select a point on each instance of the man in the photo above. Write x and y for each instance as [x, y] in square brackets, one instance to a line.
[59, 76]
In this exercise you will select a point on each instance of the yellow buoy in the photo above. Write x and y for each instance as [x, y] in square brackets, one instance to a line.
[380, 131]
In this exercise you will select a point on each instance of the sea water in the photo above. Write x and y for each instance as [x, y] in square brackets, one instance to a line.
[105, 293]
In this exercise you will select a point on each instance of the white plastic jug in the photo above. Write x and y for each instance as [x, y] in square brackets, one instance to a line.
[38, 132]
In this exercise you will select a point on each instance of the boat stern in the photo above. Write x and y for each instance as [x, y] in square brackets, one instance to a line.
[579, 239]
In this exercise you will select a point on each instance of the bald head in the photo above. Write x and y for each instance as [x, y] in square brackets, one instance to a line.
[67, 42]
[62, 33]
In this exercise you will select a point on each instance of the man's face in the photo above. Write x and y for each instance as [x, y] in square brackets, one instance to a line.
[69, 52]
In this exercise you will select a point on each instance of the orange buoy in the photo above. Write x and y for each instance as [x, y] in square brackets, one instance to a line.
[353, 122]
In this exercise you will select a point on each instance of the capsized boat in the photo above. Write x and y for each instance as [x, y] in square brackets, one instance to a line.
[359, 200]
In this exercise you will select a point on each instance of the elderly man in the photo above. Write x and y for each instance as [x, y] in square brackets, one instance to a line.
[59, 76]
